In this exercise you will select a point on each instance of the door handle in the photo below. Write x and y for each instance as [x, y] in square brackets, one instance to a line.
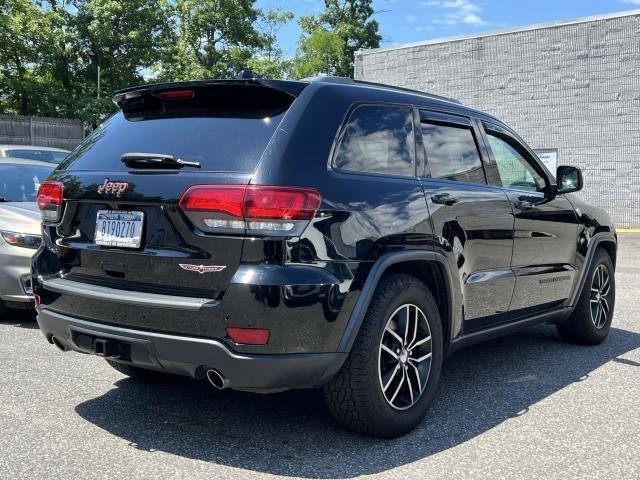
[444, 199]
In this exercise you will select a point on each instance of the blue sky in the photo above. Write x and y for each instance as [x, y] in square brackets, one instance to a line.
[403, 21]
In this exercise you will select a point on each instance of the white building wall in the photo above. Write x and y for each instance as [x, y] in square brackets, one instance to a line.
[573, 86]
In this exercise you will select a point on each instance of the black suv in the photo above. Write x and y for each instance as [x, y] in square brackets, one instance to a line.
[270, 235]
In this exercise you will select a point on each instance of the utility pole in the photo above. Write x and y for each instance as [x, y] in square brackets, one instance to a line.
[98, 61]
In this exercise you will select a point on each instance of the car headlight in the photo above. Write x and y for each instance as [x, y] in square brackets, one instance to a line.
[24, 240]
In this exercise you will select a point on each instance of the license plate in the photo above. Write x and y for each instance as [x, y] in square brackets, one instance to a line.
[118, 228]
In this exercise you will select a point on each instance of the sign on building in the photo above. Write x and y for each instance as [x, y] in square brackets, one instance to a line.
[548, 156]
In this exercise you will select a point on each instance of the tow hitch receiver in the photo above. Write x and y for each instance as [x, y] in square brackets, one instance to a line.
[103, 347]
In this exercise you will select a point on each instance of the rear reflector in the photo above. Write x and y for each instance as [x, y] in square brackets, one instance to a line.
[248, 336]
[257, 208]
[49, 200]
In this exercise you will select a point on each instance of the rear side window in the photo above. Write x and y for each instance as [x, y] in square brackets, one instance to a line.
[378, 139]
[452, 153]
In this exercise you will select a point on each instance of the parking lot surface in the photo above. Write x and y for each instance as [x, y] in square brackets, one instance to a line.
[524, 406]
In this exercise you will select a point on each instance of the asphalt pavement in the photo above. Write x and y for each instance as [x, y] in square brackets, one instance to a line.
[523, 406]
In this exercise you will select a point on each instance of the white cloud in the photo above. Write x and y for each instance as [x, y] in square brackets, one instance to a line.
[473, 19]
[631, 2]
[411, 18]
[459, 11]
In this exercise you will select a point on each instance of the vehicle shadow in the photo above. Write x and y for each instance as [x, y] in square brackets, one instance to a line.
[293, 434]
[20, 318]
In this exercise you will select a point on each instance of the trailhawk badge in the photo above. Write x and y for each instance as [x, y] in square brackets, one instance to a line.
[202, 268]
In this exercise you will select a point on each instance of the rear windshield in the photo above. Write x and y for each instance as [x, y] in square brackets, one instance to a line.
[220, 144]
[20, 183]
[42, 155]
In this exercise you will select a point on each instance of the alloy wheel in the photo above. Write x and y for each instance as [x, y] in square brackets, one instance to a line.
[600, 296]
[404, 357]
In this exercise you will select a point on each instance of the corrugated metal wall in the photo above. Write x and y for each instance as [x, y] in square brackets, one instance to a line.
[41, 131]
[574, 87]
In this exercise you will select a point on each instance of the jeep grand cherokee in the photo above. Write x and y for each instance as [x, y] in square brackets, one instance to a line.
[270, 235]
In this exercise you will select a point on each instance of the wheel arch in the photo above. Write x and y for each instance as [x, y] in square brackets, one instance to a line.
[429, 267]
[603, 240]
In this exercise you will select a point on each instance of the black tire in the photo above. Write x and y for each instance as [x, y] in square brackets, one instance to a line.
[580, 327]
[138, 373]
[4, 310]
[355, 395]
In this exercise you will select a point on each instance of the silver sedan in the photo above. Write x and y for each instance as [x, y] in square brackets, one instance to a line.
[20, 231]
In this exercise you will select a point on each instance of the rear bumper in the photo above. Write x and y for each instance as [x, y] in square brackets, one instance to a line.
[194, 356]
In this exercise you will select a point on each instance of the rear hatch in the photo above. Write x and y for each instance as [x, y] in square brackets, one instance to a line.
[123, 226]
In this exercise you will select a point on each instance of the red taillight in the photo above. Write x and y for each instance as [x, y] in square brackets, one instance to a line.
[256, 208]
[176, 94]
[49, 200]
[285, 203]
[221, 199]
[248, 336]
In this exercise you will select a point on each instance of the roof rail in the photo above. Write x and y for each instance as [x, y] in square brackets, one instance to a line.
[351, 81]
[409, 90]
[329, 79]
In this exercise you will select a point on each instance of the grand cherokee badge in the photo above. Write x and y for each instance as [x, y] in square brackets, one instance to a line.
[202, 268]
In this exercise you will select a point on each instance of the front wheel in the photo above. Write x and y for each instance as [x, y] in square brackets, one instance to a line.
[590, 322]
[388, 382]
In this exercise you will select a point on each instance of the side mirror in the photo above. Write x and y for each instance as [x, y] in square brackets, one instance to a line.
[569, 179]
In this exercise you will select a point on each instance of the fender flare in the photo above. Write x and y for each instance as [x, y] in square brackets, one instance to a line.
[595, 241]
[373, 278]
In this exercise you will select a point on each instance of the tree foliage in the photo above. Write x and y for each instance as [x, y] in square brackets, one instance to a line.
[269, 59]
[52, 50]
[351, 22]
[210, 38]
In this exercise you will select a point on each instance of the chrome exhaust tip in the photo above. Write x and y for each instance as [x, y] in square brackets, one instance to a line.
[59, 344]
[217, 379]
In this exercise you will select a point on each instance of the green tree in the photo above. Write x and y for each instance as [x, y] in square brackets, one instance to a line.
[351, 22]
[24, 44]
[319, 53]
[210, 39]
[51, 51]
[119, 37]
[269, 60]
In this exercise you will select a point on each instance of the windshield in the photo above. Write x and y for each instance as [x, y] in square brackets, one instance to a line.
[50, 156]
[20, 183]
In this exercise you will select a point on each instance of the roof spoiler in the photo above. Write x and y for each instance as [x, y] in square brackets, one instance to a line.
[122, 97]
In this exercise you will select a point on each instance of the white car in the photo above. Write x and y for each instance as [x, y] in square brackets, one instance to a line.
[30, 152]
[20, 231]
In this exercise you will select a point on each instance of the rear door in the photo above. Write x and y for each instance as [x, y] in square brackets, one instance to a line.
[545, 233]
[472, 220]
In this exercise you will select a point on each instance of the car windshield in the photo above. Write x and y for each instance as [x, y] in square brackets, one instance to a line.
[20, 183]
[50, 156]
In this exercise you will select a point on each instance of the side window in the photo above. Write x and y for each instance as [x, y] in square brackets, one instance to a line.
[452, 153]
[378, 139]
[514, 170]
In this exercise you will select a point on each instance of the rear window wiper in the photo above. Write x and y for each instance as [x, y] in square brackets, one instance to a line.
[157, 160]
